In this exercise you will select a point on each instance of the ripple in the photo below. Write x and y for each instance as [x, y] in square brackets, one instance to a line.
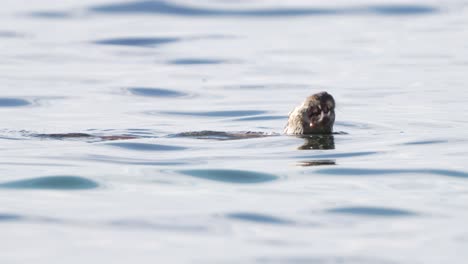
[426, 142]
[13, 102]
[163, 7]
[323, 260]
[155, 92]
[370, 211]
[50, 14]
[233, 113]
[170, 8]
[402, 9]
[10, 217]
[137, 42]
[369, 172]
[36, 164]
[52, 182]
[141, 224]
[353, 124]
[193, 61]
[132, 161]
[145, 146]
[271, 86]
[9, 34]
[260, 118]
[231, 176]
[259, 218]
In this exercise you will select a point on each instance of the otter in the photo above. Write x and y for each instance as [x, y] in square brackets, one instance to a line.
[315, 116]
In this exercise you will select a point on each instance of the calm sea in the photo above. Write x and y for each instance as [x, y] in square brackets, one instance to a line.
[390, 187]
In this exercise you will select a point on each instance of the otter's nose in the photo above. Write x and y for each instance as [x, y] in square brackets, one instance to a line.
[325, 110]
[324, 117]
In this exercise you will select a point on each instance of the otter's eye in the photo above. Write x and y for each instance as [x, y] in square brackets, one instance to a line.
[314, 111]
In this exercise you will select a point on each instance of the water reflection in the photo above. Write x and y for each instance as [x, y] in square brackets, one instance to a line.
[312, 163]
[318, 142]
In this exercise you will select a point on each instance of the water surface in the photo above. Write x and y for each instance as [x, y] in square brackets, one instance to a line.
[176, 110]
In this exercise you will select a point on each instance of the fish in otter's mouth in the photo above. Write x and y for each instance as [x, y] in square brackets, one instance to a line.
[316, 115]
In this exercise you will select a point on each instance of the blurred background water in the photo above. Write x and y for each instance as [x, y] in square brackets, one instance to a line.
[393, 188]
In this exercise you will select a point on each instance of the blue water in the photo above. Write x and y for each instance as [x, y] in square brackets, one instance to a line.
[178, 109]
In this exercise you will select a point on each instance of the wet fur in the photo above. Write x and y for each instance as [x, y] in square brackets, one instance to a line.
[299, 120]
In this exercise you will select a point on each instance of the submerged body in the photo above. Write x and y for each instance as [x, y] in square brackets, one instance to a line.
[316, 115]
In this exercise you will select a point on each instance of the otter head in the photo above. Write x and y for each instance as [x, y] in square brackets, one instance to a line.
[315, 115]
